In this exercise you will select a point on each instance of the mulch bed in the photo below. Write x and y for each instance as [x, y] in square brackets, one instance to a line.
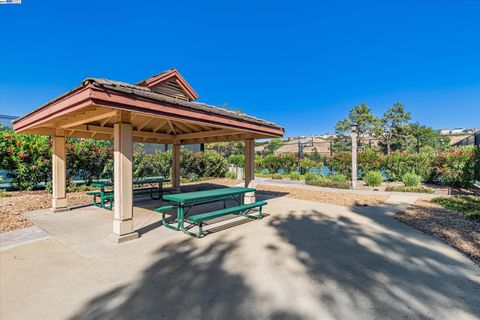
[16, 203]
[338, 198]
[453, 228]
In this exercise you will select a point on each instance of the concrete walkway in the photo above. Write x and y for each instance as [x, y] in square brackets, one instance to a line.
[22, 236]
[305, 260]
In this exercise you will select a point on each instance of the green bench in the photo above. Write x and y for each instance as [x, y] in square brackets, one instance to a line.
[103, 198]
[242, 210]
[189, 199]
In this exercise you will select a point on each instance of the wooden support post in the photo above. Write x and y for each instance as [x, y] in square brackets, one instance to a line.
[123, 228]
[59, 185]
[250, 169]
[176, 167]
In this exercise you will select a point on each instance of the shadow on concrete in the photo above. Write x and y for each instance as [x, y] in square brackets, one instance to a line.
[185, 282]
[149, 204]
[379, 269]
[384, 274]
[453, 228]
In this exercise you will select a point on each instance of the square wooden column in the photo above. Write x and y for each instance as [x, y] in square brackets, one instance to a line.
[59, 185]
[176, 167]
[123, 229]
[250, 169]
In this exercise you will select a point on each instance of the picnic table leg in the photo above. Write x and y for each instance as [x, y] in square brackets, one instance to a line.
[180, 217]
[102, 197]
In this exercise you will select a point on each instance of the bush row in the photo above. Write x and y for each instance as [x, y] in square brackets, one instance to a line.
[455, 166]
[26, 159]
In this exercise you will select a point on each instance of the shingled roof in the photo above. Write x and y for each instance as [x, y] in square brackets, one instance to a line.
[145, 92]
[161, 107]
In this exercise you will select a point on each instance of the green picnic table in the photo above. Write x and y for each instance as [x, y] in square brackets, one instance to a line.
[185, 201]
[106, 197]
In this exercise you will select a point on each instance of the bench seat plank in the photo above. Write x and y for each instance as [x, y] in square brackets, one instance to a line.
[223, 212]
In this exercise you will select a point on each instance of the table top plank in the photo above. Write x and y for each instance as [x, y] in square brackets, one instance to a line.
[188, 197]
[145, 181]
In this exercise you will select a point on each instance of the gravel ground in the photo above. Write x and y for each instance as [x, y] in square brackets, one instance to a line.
[12, 207]
[453, 228]
[342, 198]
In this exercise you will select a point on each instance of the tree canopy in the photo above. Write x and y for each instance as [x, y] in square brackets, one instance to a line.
[393, 131]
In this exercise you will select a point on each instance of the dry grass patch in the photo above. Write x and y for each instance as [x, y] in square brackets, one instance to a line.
[337, 198]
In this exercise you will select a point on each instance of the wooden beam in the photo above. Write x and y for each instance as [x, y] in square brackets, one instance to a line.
[160, 126]
[146, 123]
[218, 139]
[171, 127]
[44, 131]
[204, 134]
[87, 117]
[136, 133]
[105, 121]
[193, 127]
[183, 127]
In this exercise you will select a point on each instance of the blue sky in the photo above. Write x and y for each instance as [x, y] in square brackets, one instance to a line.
[300, 64]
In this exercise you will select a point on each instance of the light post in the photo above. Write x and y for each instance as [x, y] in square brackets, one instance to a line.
[354, 127]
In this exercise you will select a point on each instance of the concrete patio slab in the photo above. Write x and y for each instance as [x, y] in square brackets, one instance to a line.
[22, 236]
[305, 260]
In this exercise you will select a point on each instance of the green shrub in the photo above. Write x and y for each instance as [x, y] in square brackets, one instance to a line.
[320, 181]
[411, 179]
[237, 160]
[307, 163]
[192, 177]
[419, 189]
[295, 175]
[399, 163]
[310, 177]
[338, 177]
[469, 206]
[373, 178]
[342, 163]
[231, 175]
[263, 175]
[277, 176]
[273, 163]
[370, 160]
[456, 166]
[25, 158]
[215, 165]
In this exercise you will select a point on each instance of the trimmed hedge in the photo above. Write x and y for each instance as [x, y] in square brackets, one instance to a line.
[27, 161]
[454, 166]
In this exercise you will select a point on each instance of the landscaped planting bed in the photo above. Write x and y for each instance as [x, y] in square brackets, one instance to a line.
[16, 203]
[454, 228]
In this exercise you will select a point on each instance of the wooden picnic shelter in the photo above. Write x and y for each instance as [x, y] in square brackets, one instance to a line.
[159, 109]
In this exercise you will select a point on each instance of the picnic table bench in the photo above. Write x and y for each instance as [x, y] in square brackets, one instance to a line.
[185, 201]
[105, 197]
